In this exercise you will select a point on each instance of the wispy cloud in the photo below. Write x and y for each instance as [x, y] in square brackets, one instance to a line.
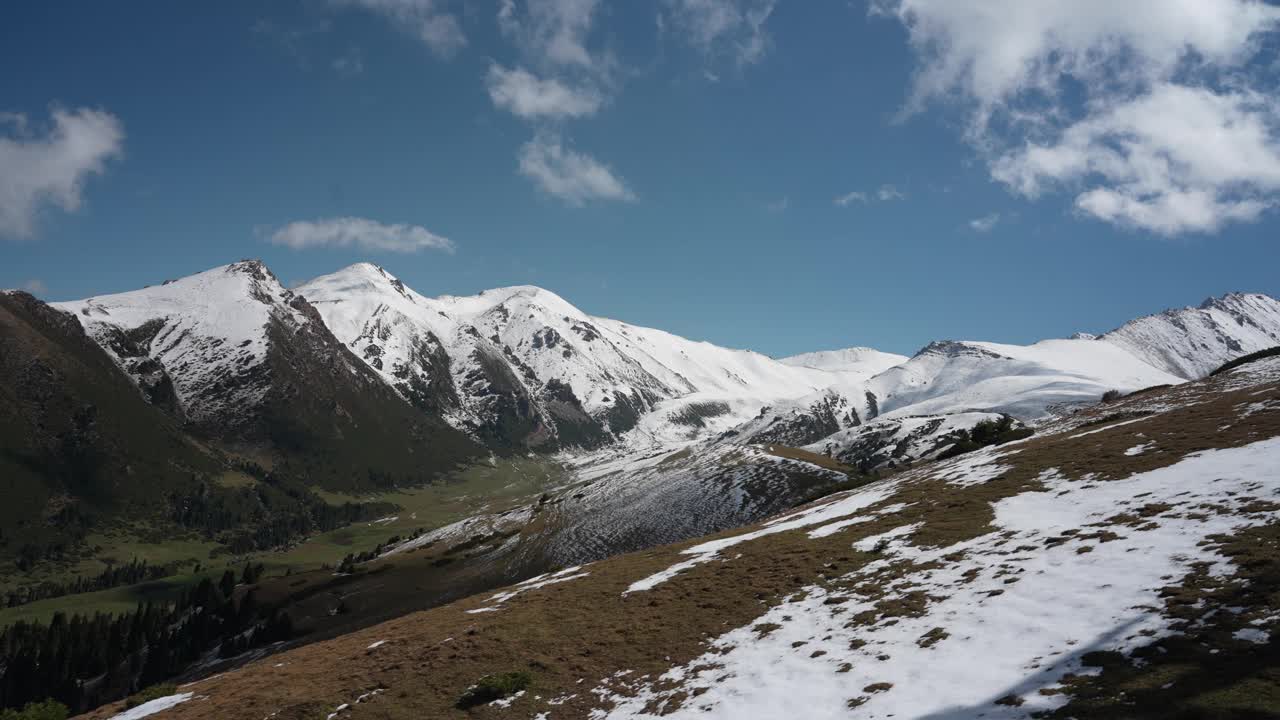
[985, 224]
[437, 28]
[553, 33]
[349, 64]
[884, 193]
[356, 232]
[572, 176]
[294, 40]
[722, 28]
[849, 198]
[779, 205]
[51, 167]
[889, 192]
[1174, 133]
[524, 94]
[35, 286]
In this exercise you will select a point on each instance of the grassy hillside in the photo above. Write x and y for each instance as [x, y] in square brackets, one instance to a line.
[77, 441]
[1124, 561]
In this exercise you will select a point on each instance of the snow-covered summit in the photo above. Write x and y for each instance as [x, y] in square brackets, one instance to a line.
[205, 335]
[853, 359]
[1022, 380]
[524, 355]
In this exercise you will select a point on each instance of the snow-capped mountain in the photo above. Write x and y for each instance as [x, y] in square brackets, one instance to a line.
[243, 360]
[521, 365]
[849, 360]
[203, 337]
[1191, 342]
[1022, 380]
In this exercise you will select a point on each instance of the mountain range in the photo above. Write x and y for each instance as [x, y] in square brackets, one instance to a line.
[355, 381]
[520, 367]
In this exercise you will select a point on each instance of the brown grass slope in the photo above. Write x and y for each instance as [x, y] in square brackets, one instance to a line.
[575, 635]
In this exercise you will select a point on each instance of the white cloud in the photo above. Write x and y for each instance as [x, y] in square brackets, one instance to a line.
[438, 29]
[851, 197]
[554, 32]
[986, 223]
[779, 205]
[357, 232]
[524, 94]
[732, 28]
[885, 193]
[1174, 133]
[52, 168]
[1176, 159]
[889, 192]
[569, 175]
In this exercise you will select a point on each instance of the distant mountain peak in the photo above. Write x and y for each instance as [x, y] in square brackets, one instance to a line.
[851, 359]
[955, 348]
[1192, 341]
[252, 267]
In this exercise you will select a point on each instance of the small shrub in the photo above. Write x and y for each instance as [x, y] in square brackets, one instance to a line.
[148, 694]
[44, 710]
[1111, 396]
[494, 687]
[987, 432]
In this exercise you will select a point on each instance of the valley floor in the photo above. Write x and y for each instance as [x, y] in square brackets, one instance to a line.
[1124, 561]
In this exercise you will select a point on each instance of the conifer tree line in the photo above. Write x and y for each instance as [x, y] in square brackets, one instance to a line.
[83, 661]
[134, 571]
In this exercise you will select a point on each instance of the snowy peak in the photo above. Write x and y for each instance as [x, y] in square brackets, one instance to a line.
[202, 338]
[955, 349]
[248, 363]
[854, 359]
[1191, 342]
[522, 365]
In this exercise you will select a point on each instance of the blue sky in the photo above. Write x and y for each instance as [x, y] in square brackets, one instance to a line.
[784, 176]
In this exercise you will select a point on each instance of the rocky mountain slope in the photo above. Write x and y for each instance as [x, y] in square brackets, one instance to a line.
[1190, 342]
[1124, 561]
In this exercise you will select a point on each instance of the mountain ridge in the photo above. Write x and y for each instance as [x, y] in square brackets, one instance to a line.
[521, 367]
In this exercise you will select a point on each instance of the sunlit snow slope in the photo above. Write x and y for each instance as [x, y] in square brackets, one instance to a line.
[522, 365]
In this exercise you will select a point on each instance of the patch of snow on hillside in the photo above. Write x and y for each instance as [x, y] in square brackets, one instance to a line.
[1253, 635]
[565, 575]
[151, 707]
[816, 515]
[982, 638]
[1107, 427]
[977, 467]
